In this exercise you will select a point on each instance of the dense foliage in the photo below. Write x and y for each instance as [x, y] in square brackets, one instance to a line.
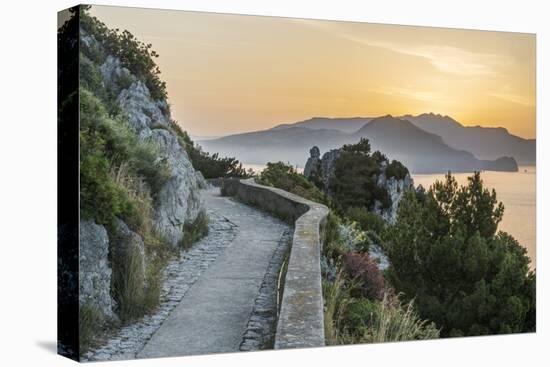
[213, 166]
[368, 221]
[355, 177]
[397, 170]
[107, 143]
[350, 320]
[210, 165]
[360, 305]
[445, 253]
[121, 176]
[286, 177]
[136, 56]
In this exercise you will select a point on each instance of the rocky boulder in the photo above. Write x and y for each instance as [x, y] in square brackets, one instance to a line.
[95, 272]
[321, 169]
[179, 201]
[313, 164]
[395, 189]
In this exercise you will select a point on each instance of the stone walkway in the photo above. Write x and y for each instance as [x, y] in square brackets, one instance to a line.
[216, 295]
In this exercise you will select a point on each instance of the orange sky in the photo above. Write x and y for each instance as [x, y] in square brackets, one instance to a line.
[234, 73]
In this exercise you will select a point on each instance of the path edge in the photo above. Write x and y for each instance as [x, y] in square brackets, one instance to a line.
[301, 319]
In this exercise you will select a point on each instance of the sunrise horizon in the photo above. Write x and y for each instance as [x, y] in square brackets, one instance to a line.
[351, 116]
[228, 74]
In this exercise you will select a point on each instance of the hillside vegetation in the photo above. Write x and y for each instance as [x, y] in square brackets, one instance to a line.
[127, 174]
[449, 271]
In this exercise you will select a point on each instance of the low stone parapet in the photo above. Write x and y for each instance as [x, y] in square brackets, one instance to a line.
[300, 323]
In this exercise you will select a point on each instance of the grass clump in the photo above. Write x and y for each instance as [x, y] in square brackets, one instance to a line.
[337, 297]
[128, 280]
[387, 320]
[360, 306]
[192, 232]
[90, 323]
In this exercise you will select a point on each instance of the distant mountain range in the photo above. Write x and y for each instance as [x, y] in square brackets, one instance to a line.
[409, 139]
[347, 124]
[483, 142]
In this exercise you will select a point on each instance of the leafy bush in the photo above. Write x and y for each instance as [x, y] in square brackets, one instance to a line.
[355, 177]
[210, 165]
[136, 56]
[285, 177]
[396, 169]
[214, 166]
[366, 220]
[353, 238]
[445, 253]
[370, 281]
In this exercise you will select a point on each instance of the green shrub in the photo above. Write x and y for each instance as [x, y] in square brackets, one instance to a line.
[194, 231]
[106, 143]
[284, 176]
[444, 252]
[396, 169]
[214, 166]
[136, 56]
[366, 220]
[210, 165]
[355, 177]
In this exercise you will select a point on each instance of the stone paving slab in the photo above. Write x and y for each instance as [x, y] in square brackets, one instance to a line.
[213, 315]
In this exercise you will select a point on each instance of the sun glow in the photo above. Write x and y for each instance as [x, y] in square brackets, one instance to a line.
[230, 73]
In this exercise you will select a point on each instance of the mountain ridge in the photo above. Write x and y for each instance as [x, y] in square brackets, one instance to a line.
[421, 151]
[486, 143]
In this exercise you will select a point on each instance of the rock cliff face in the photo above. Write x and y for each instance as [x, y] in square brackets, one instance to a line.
[322, 170]
[95, 272]
[178, 202]
[395, 189]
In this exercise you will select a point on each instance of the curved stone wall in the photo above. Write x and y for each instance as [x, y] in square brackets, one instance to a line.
[300, 322]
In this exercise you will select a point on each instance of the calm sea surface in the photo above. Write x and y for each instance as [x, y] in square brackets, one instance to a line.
[517, 191]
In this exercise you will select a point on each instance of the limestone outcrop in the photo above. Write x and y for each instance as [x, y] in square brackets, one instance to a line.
[179, 201]
[106, 254]
[95, 271]
[321, 171]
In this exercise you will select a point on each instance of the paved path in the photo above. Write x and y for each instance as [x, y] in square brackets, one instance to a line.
[213, 315]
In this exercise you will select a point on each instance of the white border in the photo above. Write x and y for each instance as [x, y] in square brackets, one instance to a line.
[28, 180]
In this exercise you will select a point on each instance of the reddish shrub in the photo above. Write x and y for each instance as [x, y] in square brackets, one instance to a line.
[364, 269]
